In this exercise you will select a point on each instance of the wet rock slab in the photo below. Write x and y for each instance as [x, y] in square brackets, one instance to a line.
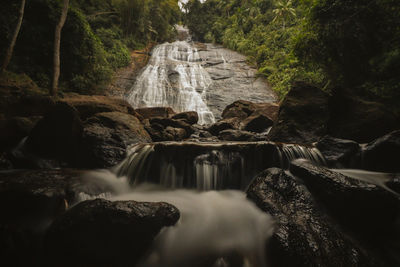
[305, 235]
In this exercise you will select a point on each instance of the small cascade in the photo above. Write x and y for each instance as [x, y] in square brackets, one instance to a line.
[208, 166]
[175, 78]
[290, 152]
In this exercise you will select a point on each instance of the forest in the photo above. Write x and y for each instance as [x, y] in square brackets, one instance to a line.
[96, 39]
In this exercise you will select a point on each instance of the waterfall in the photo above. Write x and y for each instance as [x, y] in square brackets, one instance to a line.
[175, 78]
[208, 166]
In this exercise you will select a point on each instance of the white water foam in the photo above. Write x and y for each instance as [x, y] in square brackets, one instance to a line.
[216, 228]
[214, 225]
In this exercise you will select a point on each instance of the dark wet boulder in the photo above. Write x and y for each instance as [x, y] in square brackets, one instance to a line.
[303, 115]
[104, 233]
[383, 154]
[224, 124]
[363, 207]
[305, 235]
[57, 135]
[340, 153]
[29, 202]
[106, 137]
[168, 129]
[355, 118]
[88, 106]
[148, 113]
[236, 135]
[5, 162]
[165, 122]
[190, 117]
[14, 129]
[256, 123]
[242, 109]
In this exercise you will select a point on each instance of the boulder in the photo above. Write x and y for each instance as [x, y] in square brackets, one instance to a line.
[383, 153]
[104, 233]
[29, 201]
[340, 153]
[88, 106]
[106, 137]
[5, 163]
[256, 123]
[360, 120]
[363, 207]
[236, 135]
[190, 117]
[303, 115]
[165, 122]
[305, 235]
[224, 124]
[148, 113]
[57, 135]
[14, 129]
[242, 109]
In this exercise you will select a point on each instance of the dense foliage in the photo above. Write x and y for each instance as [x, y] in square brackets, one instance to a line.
[331, 43]
[95, 40]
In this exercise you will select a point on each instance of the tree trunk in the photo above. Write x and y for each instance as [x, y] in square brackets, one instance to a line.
[57, 41]
[10, 49]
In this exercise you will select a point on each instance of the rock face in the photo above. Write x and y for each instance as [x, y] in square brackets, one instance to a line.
[104, 233]
[58, 134]
[106, 137]
[305, 236]
[228, 69]
[359, 120]
[303, 115]
[351, 201]
[340, 153]
[383, 153]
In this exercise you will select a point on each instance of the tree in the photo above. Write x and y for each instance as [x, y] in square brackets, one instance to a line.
[57, 41]
[14, 38]
[283, 10]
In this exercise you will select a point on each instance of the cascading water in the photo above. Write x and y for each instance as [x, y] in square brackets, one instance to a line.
[208, 166]
[174, 78]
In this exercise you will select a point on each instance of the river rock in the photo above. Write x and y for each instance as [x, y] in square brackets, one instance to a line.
[58, 134]
[257, 123]
[360, 120]
[88, 106]
[14, 129]
[224, 124]
[236, 135]
[294, 123]
[106, 137]
[104, 233]
[243, 109]
[148, 113]
[30, 201]
[383, 153]
[363, 207]
[305, 235]
[340, 153]
[190, 117]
